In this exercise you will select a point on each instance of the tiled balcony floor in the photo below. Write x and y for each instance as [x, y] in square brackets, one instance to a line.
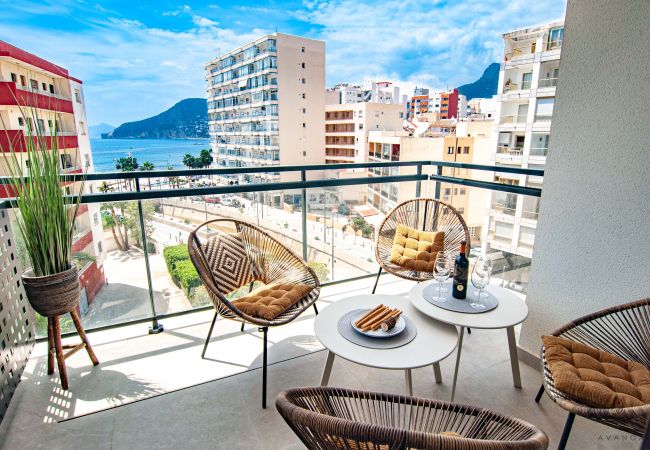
[226, 413]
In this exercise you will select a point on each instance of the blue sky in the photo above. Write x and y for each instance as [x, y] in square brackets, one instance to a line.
[137, 58]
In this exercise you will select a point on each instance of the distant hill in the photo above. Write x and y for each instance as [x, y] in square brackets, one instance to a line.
[484, 87]
[96, 131]
[185, 120]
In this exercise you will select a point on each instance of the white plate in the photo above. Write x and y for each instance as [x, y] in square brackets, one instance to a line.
[379, 333]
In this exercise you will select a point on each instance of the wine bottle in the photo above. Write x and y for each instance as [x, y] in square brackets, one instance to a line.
[461, 267]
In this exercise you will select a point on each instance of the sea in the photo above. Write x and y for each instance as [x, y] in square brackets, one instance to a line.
[160, 152]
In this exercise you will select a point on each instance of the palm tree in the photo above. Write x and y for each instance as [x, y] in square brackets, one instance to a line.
[127, 164]
[189, 161]
[147, 166]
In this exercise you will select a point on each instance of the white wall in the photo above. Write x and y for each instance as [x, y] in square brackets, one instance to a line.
[592, 247]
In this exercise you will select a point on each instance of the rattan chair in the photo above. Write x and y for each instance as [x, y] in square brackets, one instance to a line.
[269, 262]
[622, 330]
[333, 418]
[425, 214]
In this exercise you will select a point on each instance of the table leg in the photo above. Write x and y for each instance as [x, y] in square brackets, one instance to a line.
[409, 382]
[328, 369]
[460, 347]
[514, 360]
[437, 373]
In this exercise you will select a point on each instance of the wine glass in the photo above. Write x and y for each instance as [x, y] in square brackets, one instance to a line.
[480, 279]
[441, 271]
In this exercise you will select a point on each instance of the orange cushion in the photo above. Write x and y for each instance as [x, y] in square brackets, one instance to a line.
[416, 250]
[268, 302]
[594, 377]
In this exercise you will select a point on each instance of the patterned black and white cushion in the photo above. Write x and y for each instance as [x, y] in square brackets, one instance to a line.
[228, 259]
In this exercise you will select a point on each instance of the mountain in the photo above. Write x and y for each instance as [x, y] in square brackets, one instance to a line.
[185, 120]
[96, 131]
[484, 87]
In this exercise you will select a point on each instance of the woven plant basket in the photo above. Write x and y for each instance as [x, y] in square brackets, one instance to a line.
[52, 295]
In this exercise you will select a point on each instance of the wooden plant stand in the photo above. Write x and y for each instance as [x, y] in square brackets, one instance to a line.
[55, 348]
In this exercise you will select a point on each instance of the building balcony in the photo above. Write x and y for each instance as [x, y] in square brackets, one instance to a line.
[11, 95]
[15, 139]
[137, 367]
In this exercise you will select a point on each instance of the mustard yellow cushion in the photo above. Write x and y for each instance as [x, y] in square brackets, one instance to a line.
[416, 250]
[594, 377]
[270, 301]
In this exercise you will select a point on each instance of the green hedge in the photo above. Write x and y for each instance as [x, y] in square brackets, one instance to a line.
[186, 274]
[174, 254]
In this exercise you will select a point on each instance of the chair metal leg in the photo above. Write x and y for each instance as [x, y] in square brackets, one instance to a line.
[315, 308]
[567, 430]
[469, 330]
[538, 397]
[264, 361]
[207, 340]
[242, 326]
[376, 281]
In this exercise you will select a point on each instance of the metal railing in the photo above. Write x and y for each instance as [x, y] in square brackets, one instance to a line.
[137, 190]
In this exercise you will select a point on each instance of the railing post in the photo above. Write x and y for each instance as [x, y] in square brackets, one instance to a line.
[418, 184]
[155, 326]
[305, 247]
[437, 190]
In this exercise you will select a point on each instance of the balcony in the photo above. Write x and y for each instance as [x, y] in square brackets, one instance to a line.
[16, 139]
[11, 95]
[220, 394]
[509, 154]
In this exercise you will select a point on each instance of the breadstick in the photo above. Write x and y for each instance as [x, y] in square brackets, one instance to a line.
[368, 314]
[377, 320]
[394, 313]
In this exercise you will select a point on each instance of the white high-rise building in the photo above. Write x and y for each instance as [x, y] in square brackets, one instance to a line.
[266, 103]
[525, 98]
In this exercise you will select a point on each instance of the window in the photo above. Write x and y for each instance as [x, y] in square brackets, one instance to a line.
[51, 89]
[44, 86]
[304, 110]
[21, 121]
[82, 128]
[23, 80]
[450, 150]
[302, 65]
[99, 246]
[458, 149]
[14, 77]
[526, 80]
[304, 125]
[466, 150]
[77, 95]
[33, 83]
[40, 123]
[555, 37]
[303, 81]
[361, 126]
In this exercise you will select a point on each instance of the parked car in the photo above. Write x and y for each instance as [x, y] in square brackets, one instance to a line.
[213, 199]
[232, 202]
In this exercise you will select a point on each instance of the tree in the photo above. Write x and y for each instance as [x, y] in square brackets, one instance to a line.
[173, 181]
[205, 157]
[113, 218]
[147, 166]
[127, 164]
[190, 161]
[321, 270]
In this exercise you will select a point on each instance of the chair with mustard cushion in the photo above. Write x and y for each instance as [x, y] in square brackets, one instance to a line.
[335, 418]
[598, 367]
[230, 255]
[412, 234]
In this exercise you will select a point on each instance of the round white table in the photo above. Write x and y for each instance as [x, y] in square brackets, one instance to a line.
[511, 311]
[434, 340]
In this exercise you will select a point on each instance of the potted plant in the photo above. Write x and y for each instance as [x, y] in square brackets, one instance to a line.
[45, 215]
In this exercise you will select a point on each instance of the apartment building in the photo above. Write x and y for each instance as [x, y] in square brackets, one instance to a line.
[448, 104]
[525, 99]
[265, 105]
[482, 107]
[347, 127]
[468, 140]
[37, 94]
[419, 103]
[368, 91]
